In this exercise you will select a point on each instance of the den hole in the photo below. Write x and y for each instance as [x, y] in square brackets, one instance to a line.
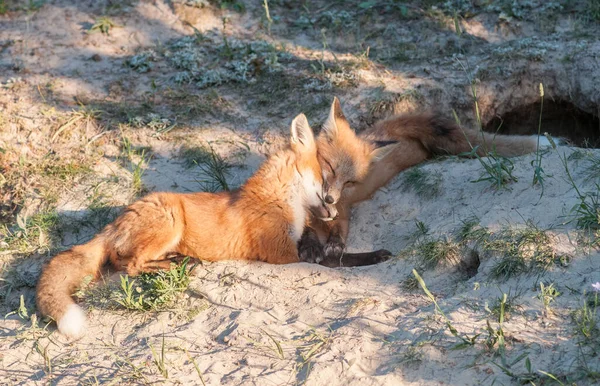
[559, 118]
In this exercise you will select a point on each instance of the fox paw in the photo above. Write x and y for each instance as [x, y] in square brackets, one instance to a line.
[335, 247]
[310, 251]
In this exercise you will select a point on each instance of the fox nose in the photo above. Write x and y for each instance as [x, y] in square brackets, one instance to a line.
[329, 199]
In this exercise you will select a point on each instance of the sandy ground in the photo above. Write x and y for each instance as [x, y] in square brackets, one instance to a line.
[159, 84]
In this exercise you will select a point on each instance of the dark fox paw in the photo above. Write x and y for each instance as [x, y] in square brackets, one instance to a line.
[334, 249]
[310, 251]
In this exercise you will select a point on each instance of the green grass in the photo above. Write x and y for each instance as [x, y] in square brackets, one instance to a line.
[498, 170]
[424, 183]
[586, 213]
[547, 295]
[153, 291]
[192, 156]
[520, 250]
[593, 8]
[465, 340]
[538, 172]
[215, 170]
[30, 234]
[103, 24]
[586, 320]
[435, 252]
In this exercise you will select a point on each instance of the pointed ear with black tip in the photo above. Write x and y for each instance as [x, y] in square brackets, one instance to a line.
[382, 149]
[336, 119]
[301, 134]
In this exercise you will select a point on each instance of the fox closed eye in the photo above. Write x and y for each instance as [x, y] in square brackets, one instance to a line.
[331, 169]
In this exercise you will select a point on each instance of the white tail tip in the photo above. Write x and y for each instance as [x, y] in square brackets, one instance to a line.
[72, 324]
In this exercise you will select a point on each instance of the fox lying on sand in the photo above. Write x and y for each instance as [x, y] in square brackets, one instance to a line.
[356, 166]
[261, 221]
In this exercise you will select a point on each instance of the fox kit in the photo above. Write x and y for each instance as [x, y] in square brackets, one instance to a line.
[356, 166]
[262, 221]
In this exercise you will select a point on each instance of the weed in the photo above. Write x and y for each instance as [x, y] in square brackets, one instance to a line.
[424, 183]
[155, 291]
[137, 173]
[193, 156]
[547, 295]
[465, 340]
[312, 345]
[586, 213]
[30, 233]
[267, 16]
[84, 116]
[216, 171]
[498, 170]
[505, 305]
[159, 358]
[434, 252]
[103, 25]
[594, 9]
[196, 367]
[471, 231]
[522, 250]
[586, 319]
[538, 173]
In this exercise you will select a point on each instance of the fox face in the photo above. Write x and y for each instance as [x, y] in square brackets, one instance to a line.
[312, 184]
[344, 157]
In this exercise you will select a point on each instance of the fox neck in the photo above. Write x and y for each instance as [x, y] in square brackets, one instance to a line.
[279, 184]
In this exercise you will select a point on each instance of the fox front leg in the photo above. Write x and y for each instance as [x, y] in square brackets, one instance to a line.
[310, 249]
[338, 232]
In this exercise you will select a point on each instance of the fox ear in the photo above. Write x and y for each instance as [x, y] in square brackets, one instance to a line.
[382, 149]
[336, 119]
[302, 134]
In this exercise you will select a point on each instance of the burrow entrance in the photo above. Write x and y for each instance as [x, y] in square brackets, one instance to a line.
[560, 119]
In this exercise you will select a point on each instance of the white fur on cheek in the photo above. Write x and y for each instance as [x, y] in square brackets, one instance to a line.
[311, 189]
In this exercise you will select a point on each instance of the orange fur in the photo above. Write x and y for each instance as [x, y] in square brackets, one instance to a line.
[356, 166]
[261, 221]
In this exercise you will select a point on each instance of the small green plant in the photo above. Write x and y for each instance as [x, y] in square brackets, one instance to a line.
[137, 173]
[159, 358]
[434, 252]
[312, 345]
[195, 155]
[547, 295]
[504, 306]
[497, 170]
[594, 9]
[538, 173]
[267, 16]
[586, 318]
[198, 371]
[153, 291]
[216, 171]
[521, 250]
[471, 231]
[103, 25]
[425, 184]
[465, 339]
[586, 213]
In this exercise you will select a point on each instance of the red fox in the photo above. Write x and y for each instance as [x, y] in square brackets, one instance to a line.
[263, 220]
[356, 166]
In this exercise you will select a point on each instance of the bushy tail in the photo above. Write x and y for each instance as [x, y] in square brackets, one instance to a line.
[62, 276]
[443, 136]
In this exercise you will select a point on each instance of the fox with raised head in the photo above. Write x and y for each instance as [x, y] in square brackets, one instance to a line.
[263, 221]
[356, 166]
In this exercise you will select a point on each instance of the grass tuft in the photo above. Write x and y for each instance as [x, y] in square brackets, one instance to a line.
[424, 183]
[154, 291]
